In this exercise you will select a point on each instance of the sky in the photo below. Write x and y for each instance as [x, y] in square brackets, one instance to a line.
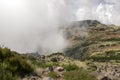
[33, 25]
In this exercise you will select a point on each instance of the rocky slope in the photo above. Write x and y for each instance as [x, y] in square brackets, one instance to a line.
[93, 54]
[96, 44]
[94, 47]
[91, 38]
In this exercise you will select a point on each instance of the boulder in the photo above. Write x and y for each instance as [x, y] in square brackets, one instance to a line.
[59, 69]
[47, 78]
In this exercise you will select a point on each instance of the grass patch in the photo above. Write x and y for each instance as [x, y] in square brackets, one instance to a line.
[70, 67]
[111, 39]
[52, 75]
[78, 75]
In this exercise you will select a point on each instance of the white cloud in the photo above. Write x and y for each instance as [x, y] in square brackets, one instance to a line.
[106, 11]
[28, 25]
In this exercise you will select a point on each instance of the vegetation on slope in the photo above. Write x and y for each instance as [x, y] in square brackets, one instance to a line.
[100, 38]
[78, 75]
[12, 64]
[107, 56]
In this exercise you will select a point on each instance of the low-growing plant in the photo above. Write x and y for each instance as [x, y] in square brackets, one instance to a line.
[52, 75]
[78, 75]
[5, 74]
[14, 64]
[70, 67]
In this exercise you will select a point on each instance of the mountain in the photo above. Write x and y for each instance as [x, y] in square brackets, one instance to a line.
[94, 48]
[91, 39]
[93, 54]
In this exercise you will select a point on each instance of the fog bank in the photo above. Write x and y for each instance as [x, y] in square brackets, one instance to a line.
[34, 25]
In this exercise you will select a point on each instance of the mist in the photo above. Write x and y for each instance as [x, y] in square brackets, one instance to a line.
[34, 25]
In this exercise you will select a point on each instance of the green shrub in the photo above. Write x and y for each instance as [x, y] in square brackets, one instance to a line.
[5, 74]
[53, 75]
[78, 75]
[70, 67]
[112, 39]
[107, 56]
[19, 65]
[14, 64]
[44, 65]
[101, 46]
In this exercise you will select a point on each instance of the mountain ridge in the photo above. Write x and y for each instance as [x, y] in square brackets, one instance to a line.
[93, 54]
[96, 34]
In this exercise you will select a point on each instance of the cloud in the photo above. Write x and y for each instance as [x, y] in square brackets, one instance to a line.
[31, 25]
[106, 11]
[27, 25]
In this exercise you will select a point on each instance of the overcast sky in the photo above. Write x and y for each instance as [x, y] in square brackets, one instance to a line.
[30, 25]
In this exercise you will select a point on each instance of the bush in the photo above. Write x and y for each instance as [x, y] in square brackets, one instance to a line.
[5, 74]
[53, 75]
[107, 56]
[19, 65]
[43, 64]
[112, 39]
[70, 67]
[78, 75]
[14, 64]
